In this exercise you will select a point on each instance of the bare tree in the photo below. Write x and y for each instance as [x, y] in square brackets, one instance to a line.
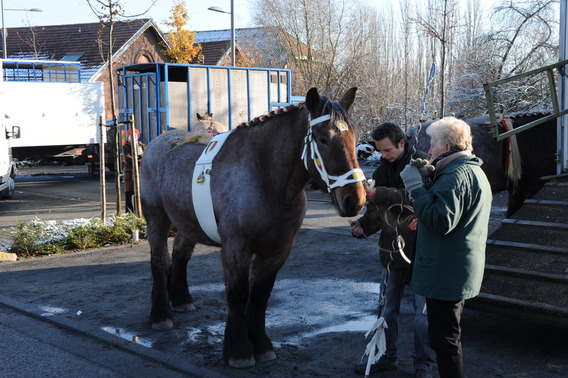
[527, 37]
[313, 35]
[472, 66]
[34, 46]
[387, 51]
[522, 37]
[441, 24]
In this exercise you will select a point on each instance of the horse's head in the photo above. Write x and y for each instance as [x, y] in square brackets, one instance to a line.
[329, 153]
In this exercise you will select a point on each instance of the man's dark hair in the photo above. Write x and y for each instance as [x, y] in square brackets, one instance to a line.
[389, 130]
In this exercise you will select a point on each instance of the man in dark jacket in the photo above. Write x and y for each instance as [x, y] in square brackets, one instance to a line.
[453, 211]
[128, 169]
[396, 153]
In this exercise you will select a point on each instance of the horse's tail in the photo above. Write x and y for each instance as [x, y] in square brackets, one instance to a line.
[513, 163]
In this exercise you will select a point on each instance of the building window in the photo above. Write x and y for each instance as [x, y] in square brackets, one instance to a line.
[143, 56]
[73, 57]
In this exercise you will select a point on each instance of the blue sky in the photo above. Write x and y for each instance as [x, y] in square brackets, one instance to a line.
[77, 11]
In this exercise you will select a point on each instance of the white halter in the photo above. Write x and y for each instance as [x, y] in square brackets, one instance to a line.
[354, 175]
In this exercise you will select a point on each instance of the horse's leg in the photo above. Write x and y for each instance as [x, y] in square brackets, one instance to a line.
[158, 227]
[238, 352]
[264, 271]
[177, 284]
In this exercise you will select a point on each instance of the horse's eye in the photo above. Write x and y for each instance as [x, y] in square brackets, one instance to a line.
[323, 141]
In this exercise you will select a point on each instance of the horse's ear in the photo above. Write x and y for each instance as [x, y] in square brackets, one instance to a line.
[313, 101]
[199, 117]
[348, 98]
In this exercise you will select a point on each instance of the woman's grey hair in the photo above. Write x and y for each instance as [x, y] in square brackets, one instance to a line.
[452, 131]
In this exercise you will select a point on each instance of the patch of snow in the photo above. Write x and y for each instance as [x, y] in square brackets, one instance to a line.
[298, 304]
[126, 335]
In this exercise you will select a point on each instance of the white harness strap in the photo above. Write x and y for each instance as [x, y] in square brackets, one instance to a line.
[354, 175]
[201, 187]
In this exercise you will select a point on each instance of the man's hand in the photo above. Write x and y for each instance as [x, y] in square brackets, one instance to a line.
[371, 194]
[411, 177]
[356, 229]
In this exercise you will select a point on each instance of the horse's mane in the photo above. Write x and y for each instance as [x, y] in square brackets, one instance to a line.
[275, 113]
[538, 113]
[336, 111]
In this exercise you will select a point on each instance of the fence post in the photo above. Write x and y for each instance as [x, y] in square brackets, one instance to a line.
[135, 171]
[102, 167]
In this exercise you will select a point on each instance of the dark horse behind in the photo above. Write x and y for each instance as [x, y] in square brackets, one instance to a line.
[536, 148]
[257, 182]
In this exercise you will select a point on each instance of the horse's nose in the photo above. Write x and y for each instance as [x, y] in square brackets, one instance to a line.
[351, 206]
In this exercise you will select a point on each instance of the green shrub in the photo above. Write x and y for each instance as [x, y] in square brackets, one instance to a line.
[37, 237]
[84, 236]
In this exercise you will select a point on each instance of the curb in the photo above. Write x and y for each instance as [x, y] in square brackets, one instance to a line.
[173, 363]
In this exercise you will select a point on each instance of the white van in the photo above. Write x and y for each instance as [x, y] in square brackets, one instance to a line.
[7, 168]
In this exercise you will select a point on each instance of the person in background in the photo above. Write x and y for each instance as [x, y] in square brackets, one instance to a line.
[396, 153]
[128, 169]
[453, 211]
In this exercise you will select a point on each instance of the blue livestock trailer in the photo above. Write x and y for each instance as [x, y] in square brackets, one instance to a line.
[164, 96]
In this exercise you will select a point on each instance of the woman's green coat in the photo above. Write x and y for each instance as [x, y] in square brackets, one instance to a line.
[453, 217]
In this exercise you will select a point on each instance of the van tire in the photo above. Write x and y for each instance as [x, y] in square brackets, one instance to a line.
[9, 191]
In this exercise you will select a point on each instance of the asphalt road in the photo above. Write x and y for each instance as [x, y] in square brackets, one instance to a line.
[34, 346]
[58, 193]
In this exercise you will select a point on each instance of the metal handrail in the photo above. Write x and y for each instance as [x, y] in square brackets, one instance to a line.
[552, 86]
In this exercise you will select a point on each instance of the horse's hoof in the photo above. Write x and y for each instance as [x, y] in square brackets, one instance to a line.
[164, 325]
[266, 356]
[184, 308]
[242, 363]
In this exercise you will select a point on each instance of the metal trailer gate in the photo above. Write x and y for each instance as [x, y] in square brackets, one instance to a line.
[563, 89]
[164, 96]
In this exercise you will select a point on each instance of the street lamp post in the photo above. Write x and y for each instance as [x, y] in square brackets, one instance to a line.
[232, 13]
[4, 27]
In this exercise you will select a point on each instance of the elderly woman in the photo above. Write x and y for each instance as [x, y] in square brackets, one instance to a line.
[452, 208]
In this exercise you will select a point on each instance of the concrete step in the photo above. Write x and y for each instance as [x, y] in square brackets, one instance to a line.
[526, 272]
[526, 285]
[554, 191]
[538, 312]
[533, 257]
[551, 234]
[543, 210]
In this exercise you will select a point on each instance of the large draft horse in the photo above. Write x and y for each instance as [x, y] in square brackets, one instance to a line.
[257, 187]
[536, 148]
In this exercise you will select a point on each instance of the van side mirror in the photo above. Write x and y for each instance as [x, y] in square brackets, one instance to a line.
[15, 132]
